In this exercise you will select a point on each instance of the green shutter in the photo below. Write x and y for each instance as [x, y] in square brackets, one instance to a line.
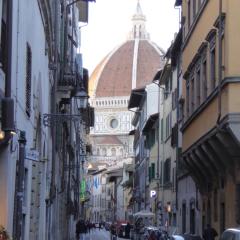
[153, 170]
[150, 174]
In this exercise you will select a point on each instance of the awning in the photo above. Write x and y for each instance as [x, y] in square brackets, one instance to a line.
[136, 96]
[150, 122]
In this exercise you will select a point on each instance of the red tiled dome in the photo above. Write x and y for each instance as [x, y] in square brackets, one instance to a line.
[132, 65]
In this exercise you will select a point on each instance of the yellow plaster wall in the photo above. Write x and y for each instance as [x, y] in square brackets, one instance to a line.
[201, 125]
[204, 25]
[232, 67]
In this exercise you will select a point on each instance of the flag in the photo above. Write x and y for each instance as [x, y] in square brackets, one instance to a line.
[95, 182]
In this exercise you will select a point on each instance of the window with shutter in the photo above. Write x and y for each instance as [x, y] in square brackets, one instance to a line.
[167, 171]
[153, 170]
[28, 80]
[149, 174]
[238, 203]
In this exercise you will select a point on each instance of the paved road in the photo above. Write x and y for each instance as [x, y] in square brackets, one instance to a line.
[99, 235]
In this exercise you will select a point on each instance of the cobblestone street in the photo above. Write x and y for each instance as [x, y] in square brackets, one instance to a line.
[97, 234]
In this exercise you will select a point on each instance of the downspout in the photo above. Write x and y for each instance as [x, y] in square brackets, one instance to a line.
[219, 64]
[9, 55]
[7, 101]
[177, 131]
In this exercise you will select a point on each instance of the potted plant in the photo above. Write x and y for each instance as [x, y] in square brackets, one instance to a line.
[4, 234]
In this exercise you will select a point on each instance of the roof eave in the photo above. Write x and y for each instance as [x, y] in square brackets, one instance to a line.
[136, 97]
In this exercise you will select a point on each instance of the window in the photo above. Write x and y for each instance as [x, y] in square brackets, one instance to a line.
[194, 8]
[168, 125]
[184, 217]
[192, 94]
[187, 99]
[189, 14]
[151, 138]
[215, 200]
[173, 180]
[167, 171]
[192, 216]
[204, 79]
[28, 80]
[199, 4]
[237, 200]
[153, 170]
[114, 123]
[174, 99]
[213, 67]
[104, 152]
[113, 151]
[211, 38]
[198, 87]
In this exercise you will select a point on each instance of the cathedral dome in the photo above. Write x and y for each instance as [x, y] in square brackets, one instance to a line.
[131, 65]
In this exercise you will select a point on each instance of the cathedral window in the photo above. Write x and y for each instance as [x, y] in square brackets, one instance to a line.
[104, 152]
[113, 151]
[114, 123]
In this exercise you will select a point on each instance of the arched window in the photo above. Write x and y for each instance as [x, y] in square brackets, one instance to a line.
[192, 216]
[121, 152]
[98, 152]
[113, 151]
[184, 212]
[104, 152]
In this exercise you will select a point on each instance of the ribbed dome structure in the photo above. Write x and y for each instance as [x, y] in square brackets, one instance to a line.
[131, 65]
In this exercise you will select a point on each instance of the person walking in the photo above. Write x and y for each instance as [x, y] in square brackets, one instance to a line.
[127, 230]
[209, 233]
[81, 229]
[113, 232]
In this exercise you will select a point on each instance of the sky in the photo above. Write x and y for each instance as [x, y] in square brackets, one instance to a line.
[110, 22]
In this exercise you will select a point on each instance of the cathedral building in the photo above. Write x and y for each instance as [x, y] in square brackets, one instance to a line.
[131, 65]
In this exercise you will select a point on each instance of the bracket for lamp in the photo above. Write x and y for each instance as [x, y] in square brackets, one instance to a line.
[54, 119]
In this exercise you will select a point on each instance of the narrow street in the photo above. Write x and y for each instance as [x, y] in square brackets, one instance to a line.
[97, 234]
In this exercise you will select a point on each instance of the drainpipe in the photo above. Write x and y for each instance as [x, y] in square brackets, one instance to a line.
[7, 101]
[219, 64]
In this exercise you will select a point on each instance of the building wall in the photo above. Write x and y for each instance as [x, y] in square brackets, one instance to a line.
[187, 194]
[27, 28]
[218, 205]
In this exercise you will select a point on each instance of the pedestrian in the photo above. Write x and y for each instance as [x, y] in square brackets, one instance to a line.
[88, 226]
[80, 229]
[127, 230]
[209, 233]
[152, 236]
[112, 232]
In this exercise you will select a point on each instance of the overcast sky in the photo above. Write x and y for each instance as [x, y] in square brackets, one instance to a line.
[110, 22]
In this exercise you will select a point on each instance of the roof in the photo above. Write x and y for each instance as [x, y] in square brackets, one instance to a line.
[131, 65]
[136, 97]
[165, 73]
[178, 3]
[150, 122]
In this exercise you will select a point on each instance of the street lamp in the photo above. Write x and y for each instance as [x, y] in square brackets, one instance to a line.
[81, 98]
